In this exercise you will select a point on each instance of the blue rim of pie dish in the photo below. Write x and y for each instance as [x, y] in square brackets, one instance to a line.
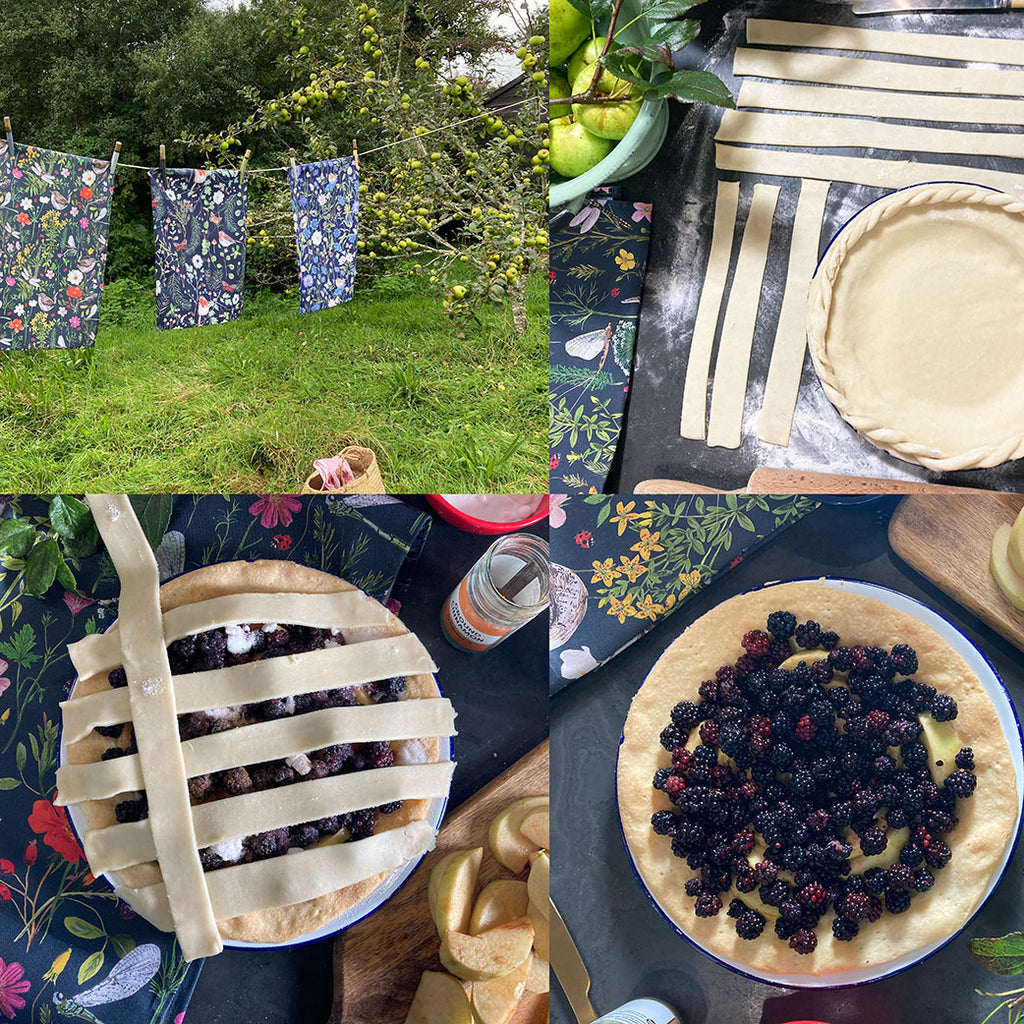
[303, 940]
[819, 982]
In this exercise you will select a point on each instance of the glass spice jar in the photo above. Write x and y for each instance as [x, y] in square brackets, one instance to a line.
[504, 590]
[641, 1011]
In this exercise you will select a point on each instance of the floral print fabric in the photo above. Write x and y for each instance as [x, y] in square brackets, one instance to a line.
[620, 564]
[325, 204]
[69, 948]
[54, 218]
[199, 223]
[597, 264]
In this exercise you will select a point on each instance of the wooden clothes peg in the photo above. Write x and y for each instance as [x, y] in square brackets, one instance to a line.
[115, 158]
[10, 135]
[291, 156]
[245, 164]
[163, 163]
[355, 153]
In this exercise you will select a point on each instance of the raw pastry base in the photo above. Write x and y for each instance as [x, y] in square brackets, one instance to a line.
[916, 325]
[281, 924]
[986, 820]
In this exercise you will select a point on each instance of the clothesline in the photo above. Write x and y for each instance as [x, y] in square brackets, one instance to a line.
[387, 145]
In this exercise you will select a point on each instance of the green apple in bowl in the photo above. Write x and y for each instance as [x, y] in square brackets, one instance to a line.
[587, 54]
[574, 150]
[558, 89]
[567, 28]
[606, 120]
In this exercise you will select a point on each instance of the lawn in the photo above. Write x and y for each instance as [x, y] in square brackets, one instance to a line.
[247, 406]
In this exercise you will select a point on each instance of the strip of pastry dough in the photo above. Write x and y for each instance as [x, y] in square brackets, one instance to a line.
[725, 424]
[120, 846]
[804, 130]
[698, 362]
[156, 725]
[331, 667]
[282, 881]
[787, 363]
[819, 99]
[912, 44]
[876, 74]
[858, 170]
[100, 652]
[266, 741]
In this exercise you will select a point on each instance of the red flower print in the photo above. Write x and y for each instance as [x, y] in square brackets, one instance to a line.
[17, 325]
[282, 541]
[74, 292]
[23, 218]
[31, 853]
[52, 822]
[5, 893]
[615, 293]
[12, 987]
[275, 508]
[6, 867]
[551, 275]
[553, 462]
[86, 193]
[76, 602]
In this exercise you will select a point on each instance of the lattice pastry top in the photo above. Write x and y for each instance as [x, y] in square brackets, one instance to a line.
[239, 713]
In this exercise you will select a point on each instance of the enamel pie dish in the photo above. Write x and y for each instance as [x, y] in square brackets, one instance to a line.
[916, 325]
[255, 752]
[932, 788]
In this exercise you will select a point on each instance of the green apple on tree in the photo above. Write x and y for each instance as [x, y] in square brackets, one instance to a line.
[568, 28]
[558, 88]
[574, 150]
[606, 120]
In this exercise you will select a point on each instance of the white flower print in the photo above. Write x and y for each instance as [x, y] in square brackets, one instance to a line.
[218, 197]
[76, 277]
[19, 310]
[88, 178]
[26, 204]
[197, 261]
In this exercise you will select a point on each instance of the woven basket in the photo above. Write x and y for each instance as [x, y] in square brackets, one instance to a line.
[364, 464]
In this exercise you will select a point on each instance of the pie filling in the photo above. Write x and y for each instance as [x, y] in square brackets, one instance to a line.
[247, 642]
[812, 780]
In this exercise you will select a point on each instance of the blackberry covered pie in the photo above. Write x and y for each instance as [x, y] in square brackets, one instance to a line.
[253, 746]
[811, 781]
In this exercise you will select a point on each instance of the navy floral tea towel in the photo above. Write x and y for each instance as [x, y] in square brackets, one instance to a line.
[199, 223]
[54, 217]
[325, 204]
[598, 258]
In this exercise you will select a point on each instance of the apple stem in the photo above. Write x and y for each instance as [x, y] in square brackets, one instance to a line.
[608, 38]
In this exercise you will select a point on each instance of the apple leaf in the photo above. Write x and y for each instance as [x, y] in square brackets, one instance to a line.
[70, 516]
[16, 537]
[622, 63]
[665, 10]
[666, 38]
[1003, 955]
[595, 10]
[41, 567]
[693, 86]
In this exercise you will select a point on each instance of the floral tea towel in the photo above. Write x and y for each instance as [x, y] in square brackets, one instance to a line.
[598, 258]
[199, 223]
[55, 219]
[325, 204]
[622, 563]
[70, 950]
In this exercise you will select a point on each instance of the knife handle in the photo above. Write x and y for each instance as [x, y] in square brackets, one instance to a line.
[1017, 5]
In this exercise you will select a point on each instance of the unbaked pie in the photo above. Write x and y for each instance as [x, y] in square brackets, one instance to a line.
[254, 746]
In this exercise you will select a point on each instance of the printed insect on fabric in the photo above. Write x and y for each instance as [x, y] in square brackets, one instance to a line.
[54, 216]
[128, 976]
[199, 227]
[325, 205]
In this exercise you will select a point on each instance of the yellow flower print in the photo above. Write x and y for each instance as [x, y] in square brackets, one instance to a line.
[647, 609]
[604, 572]
[631, 567]
[622, 610]
[647, 543]
[625, 515]
[690, 582]
[626, 260]
[58, 965]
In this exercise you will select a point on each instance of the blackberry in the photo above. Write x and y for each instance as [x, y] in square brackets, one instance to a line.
[211, 648]
[709, 733]
[791, 910]
[898, 876]
[785, 928]
[693, 887]
[689, 833]
[829, 640]
[111, 732]
[915, 755]
[874, 881]
[904, 657]
[747, 663]
[883, 766]
[781, 756]
[961, 783]
[303, 835]
[940, 821]
[685, 715]
[267, 844]
[803, 941]
[844, 929]
[841, 658]
[822, 672]
[331, 825]
[663, 823]
[672, 736]
[923, 880]
[878, 721]
[813, 895]
[803, 782]
[209, 860]
[911, 855]
[359, 823]
[333, 760]
[132, 810]
[806, 729]
[660, 778]
[117, 678]
[943, 708]
[110, 753]
[749, 924]
[307, 702]
[386, 691]
[820, 712]
[938, 854]
[236, 781]
[736, 907]
[965, 759]
[856, 905]
[897, 901]
[708, 691]
[808, 634]
[756, 643]
[707, 905]
[873, 842]
[782, 625]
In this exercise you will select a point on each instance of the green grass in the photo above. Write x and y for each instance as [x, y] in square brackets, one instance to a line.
[247, 406]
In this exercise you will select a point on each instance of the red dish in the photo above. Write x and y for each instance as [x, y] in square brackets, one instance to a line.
[450, 514]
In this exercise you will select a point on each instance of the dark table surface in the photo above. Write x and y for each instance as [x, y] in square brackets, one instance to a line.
[680, 182]
[628, 947]
[295, 986]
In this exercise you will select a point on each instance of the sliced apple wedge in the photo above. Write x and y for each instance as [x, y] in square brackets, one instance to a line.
[537, 828]
[538, 883]
[539, 980]
[439, 999]
[451, 887]
[510, 847]
[1010, 583]
[491, 954]
[541, 932]
[1015, 544]
[499, 902]
[494, 1002]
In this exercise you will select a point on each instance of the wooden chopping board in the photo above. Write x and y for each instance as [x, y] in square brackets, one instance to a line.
[378, 962]
[948, 539]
